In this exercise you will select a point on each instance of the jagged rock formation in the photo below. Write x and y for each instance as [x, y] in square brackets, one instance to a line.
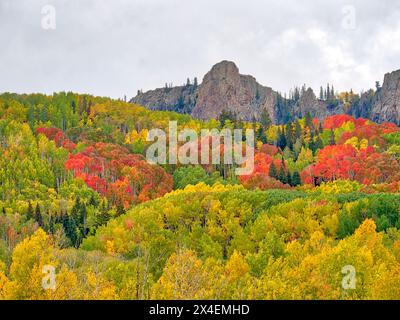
[225, 89]
[308, 103]
[180, 99]
[387, 104]
[382, 105]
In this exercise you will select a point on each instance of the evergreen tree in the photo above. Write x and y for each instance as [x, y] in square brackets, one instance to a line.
[73, 106]
[309, 120]
[297, 130]
[281, 143]
[332, 138]
[51, 223]
[260, 135]
[311, 144]
[282, 177]
[289, 136]
[76, 210]
[265, 119]
[328, 92]
[70, 229]
[289, 178]
[226, 115]
[318, 143]
[377, 86]
[104, 215]
[296, 180]
[29, 213]
[38, 216]
[320, 128]
[272, 171]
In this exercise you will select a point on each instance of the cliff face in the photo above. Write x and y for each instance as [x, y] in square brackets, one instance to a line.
[222, 89]
[308, 103]
[387, 103]
[225, 89]
[181, 99]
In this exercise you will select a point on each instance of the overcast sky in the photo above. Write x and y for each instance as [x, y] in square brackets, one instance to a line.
[112, 48]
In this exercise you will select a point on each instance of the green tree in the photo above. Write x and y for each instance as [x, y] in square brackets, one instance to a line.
[296, 180]
[273, 171]
[38, 216]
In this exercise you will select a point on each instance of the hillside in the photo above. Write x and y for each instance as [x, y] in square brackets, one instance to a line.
[78, 194]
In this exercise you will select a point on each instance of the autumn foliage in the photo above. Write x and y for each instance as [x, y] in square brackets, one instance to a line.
[346, 162]
[123, 177]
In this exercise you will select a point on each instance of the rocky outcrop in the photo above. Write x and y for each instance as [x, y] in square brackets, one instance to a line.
[386, 106]
[225, 89]
[308, 103]
[180, 99]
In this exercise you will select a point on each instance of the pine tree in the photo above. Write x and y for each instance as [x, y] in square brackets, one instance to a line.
[296, 180]
[265, 119]
[309, 120]
[297, 130]
[320, 128]
[272, 171]
[51, 223]
[318, 143]
[29, 213]
[70, 229]
[282, 177]
[76, 210]
[328, 92]
[38, 216]
[281, 143]
[260, 134]
[289, 136]
[289, 178]
[332, 138]
[104, 214]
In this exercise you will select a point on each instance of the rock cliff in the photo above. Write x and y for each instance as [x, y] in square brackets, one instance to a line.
[224, 89]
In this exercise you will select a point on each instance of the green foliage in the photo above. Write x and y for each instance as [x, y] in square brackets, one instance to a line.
[384, 209]
[193, 175]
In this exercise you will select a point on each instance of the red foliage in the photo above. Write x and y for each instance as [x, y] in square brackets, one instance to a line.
[121, 176]
[260, 178]
[336, 121]
[269, 149]
[372, 132]
[57, 136]
[346, 162]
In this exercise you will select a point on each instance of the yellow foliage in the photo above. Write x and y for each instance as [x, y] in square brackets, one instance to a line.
[202, 187]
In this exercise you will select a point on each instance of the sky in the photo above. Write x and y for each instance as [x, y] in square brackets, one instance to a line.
[114, 48]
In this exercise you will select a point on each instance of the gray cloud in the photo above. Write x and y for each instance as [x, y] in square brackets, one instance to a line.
[116, 47]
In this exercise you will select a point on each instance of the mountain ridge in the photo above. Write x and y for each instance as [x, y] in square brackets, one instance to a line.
[225, 89]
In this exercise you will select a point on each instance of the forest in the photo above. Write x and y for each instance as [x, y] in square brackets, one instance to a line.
[77, 194]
